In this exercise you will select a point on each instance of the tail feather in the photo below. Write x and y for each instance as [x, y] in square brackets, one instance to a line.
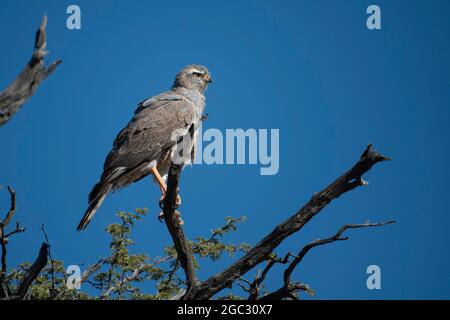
[96, 198]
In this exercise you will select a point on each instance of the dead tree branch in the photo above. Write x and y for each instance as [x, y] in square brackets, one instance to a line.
[52, 262]
[289, 288]
[171, 217]
[4, 289]
[18, 92]
[261, 252]
[12, 209]
[261, 276]
[319, 242]
[287, 292]
[33, 272]
[35, 269]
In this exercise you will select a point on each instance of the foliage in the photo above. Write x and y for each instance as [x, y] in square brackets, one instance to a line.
[126, 275]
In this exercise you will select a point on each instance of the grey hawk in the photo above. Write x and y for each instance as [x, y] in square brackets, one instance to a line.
[147, 143]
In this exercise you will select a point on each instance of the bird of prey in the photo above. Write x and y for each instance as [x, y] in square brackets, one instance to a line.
[146, 145]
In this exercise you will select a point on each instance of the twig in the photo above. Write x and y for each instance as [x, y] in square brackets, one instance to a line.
[287, 292]
[18, 92]
[319, 242]
[93, 268]
[4, 289]
[289, 288]
[12, 209]
[260, 277]
[135, 275]
[18, 229]
[52, 268]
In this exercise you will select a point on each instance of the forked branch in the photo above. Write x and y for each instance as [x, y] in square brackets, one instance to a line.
[289, 288]
[262, 251]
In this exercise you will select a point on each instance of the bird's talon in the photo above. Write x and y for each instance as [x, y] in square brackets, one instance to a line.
[178, 216]
[178, 200]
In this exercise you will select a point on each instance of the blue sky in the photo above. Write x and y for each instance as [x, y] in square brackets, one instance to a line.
[310, 68]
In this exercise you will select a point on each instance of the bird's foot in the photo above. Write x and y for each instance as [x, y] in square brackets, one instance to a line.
[177, 201]
[177, 215]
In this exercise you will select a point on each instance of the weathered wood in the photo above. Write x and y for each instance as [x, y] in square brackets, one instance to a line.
[18, 92]
[261, 252]
[33, 272]
[289, 288]
[172, 219]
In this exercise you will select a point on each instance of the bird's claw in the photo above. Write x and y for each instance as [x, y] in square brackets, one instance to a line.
[177, 215]
[180, 221]
[177, 201]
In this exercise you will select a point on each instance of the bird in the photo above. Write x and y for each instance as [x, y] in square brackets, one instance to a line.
[147, 144]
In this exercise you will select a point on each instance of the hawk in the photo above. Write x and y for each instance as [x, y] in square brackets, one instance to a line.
[146, 145]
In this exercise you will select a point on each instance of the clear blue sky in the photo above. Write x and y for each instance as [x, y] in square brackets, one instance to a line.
[310, 68]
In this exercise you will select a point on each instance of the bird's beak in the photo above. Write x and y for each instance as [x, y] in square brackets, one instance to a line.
[210, 80]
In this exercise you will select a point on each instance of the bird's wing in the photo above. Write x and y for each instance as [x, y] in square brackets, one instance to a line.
[150, 131]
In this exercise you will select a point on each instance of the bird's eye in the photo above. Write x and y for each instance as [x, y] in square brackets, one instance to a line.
[196, 74]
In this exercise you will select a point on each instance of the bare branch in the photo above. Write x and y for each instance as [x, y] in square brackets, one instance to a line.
[289, 289]
[52, 263]
[184, 252]
[348, 181]
[287, 292]
[319, 242]
[33, 272]
[18, 229]
[261, 276]
[12, 209]
[4, 253]
[4, 289]
[18, 92]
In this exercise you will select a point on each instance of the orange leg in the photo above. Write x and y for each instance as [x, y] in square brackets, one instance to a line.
[160, 180]
[163, 188]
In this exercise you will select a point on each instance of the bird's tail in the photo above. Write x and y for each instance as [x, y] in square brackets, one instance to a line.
[96, 197]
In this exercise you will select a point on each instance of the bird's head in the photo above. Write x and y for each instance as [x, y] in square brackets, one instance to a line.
[193, 77]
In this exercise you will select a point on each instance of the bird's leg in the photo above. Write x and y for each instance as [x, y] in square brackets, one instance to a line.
[163, 188]
[160, 180]
[161, 183]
